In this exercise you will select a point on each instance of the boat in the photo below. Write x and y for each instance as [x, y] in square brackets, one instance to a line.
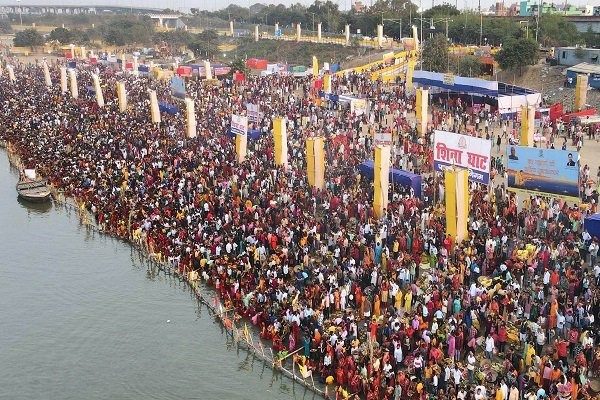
[33, 189]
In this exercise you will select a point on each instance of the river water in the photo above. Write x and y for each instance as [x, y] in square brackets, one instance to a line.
[81, 317]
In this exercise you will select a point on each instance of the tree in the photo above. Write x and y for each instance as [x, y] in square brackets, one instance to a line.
[204, 43]
[435, 54]
[442, 10]
[516, 53]
[467, 65]
[5, 26]
[62, 35]
[238, 65]
[556, 30]
[28, 38]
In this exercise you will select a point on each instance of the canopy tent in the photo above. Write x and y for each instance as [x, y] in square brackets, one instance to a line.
[592, 225]
[397, 176]
[168, 108]
[253, 134]
[507, 98]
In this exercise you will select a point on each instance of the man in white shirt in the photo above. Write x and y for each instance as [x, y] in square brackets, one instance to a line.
[489, 347]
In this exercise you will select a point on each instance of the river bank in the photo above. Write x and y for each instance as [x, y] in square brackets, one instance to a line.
[241, 337]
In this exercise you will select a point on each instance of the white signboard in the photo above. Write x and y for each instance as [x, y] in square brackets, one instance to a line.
[358, 106]
[463, 151]
[253, 111]
[382, 139]
[239, 124]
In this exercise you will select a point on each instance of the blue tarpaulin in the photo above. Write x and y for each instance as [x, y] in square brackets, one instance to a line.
[591, 224]
[254, 134]
[144, 68]
[72, 64]
[168, 108]
[397, 176]
[90, 89]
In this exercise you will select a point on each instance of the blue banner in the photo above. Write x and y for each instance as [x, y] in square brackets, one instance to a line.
[178, 87]
[549, 172]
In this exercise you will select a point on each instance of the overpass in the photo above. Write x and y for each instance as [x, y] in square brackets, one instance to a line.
[74, 10]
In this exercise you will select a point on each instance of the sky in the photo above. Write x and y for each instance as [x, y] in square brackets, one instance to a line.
[184, 5]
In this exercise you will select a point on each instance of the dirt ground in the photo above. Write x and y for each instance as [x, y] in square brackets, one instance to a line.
[549, 81]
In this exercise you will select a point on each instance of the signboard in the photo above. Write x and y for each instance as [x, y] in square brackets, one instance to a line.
[253, 111]
[382, 139]
[448, 79]
[551, 172]
[178, 87]
[463, 151]
[358, 106]
[239, 124]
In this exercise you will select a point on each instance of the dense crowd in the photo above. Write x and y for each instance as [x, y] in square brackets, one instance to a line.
[386, 308]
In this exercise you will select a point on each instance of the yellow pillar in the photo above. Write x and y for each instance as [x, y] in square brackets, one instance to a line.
[380, 35]
[207, 70]
[154, 110]
[310, 161]
[63, 80]
[327, 83]
[319, 152]
[457, 203]
[47, 74]
[11, 73]
[190, 115]
[315, 67]
[241, 143]
[462, 205]
[410, 69]
[581, 92]
[98, 90]
[527, 125]
[381, 178]
[421, 109]
[122, 96]
[280, 141]
[415, 37]
[74, 88]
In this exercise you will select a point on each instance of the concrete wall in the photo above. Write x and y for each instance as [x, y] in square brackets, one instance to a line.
[566, 56]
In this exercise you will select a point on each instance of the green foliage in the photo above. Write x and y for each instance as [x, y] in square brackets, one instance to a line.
[125, 30]
[238, 65]
[441, 10]
[174, 38]
[517, 53]
[204, 44]
[28, 38]
[5, 26]
[62, 35]
[555, 30]
[466, 65]
[435, 54]
[580, 53]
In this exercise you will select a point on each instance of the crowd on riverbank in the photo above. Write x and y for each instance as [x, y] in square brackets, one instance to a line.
[385, 308]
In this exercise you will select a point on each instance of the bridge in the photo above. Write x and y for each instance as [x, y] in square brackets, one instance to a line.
[74, 10]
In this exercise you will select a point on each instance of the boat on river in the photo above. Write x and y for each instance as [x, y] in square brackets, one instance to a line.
[33, 189]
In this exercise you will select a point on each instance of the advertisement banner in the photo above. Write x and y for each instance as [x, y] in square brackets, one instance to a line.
[178, 87]
[463, 151]
[253, 111]
[239, 125]
[550, 172]
[358, 106]
[382, 139]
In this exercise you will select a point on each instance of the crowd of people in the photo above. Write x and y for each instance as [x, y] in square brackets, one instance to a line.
[384, 308]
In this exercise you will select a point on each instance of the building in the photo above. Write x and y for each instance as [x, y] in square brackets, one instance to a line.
[592, 71]
[358, 7]
[528, 8]
[576, 55]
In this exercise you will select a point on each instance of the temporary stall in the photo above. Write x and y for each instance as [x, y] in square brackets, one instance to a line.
[592, 225]
[168, 108]
[184, 71]
[397, 176]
